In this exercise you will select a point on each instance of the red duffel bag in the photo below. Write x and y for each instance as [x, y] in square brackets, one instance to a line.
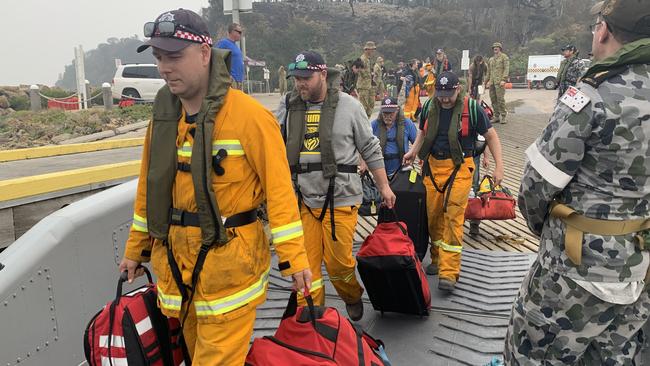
[492, 203]
[316, 336]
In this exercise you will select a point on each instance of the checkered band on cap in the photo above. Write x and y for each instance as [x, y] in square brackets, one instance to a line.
[389, 104]
[187, 36]
[317, 67]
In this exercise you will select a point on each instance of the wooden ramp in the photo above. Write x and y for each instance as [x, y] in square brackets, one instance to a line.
[508, 235]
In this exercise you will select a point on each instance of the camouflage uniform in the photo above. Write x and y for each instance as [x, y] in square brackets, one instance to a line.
[570, 71]
[365, 89]
[378, 78]
[595, 159]
[498, 70]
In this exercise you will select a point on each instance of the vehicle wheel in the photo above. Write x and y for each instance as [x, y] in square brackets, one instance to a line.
[131, 93]
[550, 83]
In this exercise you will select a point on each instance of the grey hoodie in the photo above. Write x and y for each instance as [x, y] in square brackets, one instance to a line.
[352, 135]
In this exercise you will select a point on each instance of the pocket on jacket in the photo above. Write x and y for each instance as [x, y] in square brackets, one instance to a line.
[228, 267]
[233, 167]
[159, 265]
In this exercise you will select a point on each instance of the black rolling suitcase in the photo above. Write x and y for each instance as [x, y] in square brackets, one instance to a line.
[411, 207]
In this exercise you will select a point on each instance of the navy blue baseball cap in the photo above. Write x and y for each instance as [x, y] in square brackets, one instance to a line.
[389, 105]
[307, 63]
[446, 84]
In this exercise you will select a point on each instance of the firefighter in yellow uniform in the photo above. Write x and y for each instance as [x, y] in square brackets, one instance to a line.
[429, 80]
[209, 160]
[446, 142]
[412, 84]
[326, 131]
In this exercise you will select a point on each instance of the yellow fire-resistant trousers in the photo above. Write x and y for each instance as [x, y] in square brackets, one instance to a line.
[446, 228]
[337, 255]
[220, 342]
[412, 102]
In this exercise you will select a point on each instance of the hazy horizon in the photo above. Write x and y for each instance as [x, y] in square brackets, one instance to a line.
[40, 36]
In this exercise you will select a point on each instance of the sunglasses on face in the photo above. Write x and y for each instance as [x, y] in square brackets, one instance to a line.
[238, 31]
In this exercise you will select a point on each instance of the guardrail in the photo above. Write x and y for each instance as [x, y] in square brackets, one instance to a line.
[59, 274]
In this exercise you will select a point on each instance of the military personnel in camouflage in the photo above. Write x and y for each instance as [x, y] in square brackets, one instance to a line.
[497, 76]
[378, 78]
[570, 69]
[365, 89]
[587, 298]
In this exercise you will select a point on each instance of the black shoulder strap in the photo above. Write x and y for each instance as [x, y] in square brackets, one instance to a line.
[599, 78]
[286, 118]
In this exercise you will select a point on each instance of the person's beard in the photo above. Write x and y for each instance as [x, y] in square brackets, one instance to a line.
[313, 94]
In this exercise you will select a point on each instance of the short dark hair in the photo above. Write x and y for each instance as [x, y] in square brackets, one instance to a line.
[624, 36]
[232, 27]
[358, 64]
[621, 35]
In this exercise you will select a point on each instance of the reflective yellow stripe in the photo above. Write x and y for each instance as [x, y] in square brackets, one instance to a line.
[234, 301]
[287, 232]
[344, 279]
[233, 147]
[170, 302]
[185, 150]
[309, 153]
[447, 247]
[140, 223]
[315, 285]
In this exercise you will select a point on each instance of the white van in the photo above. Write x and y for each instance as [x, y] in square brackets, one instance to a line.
[542, 70]
[138, 81]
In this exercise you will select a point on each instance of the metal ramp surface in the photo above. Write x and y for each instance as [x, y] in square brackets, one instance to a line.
[465, 328]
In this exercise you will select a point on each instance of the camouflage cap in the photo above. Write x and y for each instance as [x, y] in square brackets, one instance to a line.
[497, 44]
[629, 15]
[370, 45]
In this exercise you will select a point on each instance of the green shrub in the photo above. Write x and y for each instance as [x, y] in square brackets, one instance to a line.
[19, 103]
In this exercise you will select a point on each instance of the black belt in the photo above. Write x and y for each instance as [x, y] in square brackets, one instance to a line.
[316, 167]
[185, 218]
[392, 157]
[444, 155]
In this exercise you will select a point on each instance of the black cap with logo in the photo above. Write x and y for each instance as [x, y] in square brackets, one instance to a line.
[389, 105]
[629, 15]
[446, 84]
[306, 63]
[174, 30]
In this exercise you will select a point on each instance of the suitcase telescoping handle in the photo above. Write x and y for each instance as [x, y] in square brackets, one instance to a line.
[389, 215]
[124, 278]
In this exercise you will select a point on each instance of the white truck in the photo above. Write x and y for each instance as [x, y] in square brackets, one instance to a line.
[542, 71]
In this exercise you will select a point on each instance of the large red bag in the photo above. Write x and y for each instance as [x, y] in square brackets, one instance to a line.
[316, 335]
[391, 270]
[131, 330]
[495, 204]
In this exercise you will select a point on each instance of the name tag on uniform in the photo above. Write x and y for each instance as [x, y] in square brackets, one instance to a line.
[575, 99]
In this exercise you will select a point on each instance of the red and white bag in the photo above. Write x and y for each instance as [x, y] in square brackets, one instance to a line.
[131, 330]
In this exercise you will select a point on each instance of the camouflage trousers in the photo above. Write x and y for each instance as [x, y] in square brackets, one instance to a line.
[554, 321]
[367, 99]
[498, 100]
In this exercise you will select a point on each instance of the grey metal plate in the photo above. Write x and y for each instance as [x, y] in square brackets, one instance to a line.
[465, 328]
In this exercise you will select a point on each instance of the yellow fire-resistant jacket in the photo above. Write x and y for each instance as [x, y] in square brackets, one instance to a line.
[236, 274]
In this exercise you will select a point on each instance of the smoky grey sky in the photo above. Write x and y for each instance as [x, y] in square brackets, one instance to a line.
[40, 35]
